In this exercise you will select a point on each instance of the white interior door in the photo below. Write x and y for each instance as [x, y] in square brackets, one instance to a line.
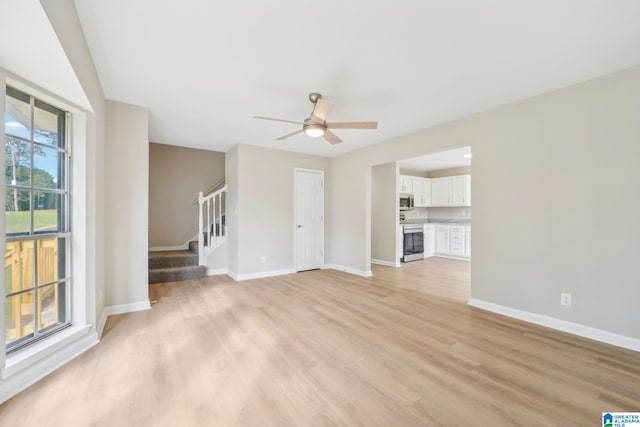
[308, 219]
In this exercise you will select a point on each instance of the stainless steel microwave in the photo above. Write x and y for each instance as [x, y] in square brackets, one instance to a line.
[406, 201]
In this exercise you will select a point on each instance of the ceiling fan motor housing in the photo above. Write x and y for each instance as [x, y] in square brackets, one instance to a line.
[313, 128]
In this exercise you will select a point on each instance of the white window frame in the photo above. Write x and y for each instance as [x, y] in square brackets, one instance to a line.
[64, 233]
[23, 367]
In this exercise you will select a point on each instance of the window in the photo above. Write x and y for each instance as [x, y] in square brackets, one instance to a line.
[37, 270]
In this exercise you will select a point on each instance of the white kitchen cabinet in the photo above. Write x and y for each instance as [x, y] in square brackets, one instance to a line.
[442, 239]
[461, 190]
[429, 233]
[452, 240]
[422, 192]
[406, 184]
[456, 240]
[440, 192]
[451, 191]
[467, 242]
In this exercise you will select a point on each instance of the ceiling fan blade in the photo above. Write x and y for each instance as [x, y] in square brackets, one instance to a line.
[289, 135]
[277, 120]
[331, 137]
[321, 110]
[353, 125]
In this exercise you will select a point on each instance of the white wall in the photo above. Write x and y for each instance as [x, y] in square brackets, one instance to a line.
[263, 196]
[127, 204]
[384, 214]
[547, 173]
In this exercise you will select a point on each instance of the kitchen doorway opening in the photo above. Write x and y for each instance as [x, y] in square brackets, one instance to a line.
[424, 200]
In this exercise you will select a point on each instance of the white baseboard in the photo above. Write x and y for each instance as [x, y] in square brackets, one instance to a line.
[386, 263]
[120, 309]
[182, 247]
[271, 273]
[37, 364]
[217, 271]
[451, 257]
[261, 274]
[101, 322]
[348, 270]
[560, 325]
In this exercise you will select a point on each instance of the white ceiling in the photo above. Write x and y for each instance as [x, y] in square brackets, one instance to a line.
[437, 161]
[204, 68]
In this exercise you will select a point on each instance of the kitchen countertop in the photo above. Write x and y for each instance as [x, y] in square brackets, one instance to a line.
[435, 221]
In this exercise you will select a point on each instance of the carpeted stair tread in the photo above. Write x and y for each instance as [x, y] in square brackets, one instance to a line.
[168, 259]
[175, 274]
[164, 254]
[174, 266]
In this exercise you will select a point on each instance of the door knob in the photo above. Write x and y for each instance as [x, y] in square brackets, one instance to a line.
[299, 226]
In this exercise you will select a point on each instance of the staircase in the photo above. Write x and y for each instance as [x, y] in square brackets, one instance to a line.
[173, 266]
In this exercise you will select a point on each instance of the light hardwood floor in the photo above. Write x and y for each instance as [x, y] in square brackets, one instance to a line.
[328, 348]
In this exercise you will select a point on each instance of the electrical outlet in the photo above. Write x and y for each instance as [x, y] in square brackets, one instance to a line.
[263, 259]
[565, 299]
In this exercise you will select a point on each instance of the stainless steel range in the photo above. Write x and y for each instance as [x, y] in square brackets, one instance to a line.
[412, 242]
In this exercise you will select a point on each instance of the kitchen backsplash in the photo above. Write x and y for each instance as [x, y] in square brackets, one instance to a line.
[449, 213]
[416, 213]
[438, 213]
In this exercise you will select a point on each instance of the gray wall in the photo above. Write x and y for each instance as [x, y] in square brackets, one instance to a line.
[127, 204]
[547, 174]
[555, 204]
[384, 212]
[176, 175]
[463, 170]
[64, 20]
[348, 241]
[264, 221]
[413, 172]
[233, 186]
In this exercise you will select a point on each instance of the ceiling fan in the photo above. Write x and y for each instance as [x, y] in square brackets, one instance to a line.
[316, 125]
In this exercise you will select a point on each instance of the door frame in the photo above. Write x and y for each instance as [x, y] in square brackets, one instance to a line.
[295, 215]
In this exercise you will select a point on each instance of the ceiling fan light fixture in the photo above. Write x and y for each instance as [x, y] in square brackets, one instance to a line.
[314, 130]
[316, 124]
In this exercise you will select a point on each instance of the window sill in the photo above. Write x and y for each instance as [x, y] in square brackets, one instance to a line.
[46, 349]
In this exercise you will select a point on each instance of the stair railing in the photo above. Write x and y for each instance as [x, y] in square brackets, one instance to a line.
[216, 187]
[212, 232]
